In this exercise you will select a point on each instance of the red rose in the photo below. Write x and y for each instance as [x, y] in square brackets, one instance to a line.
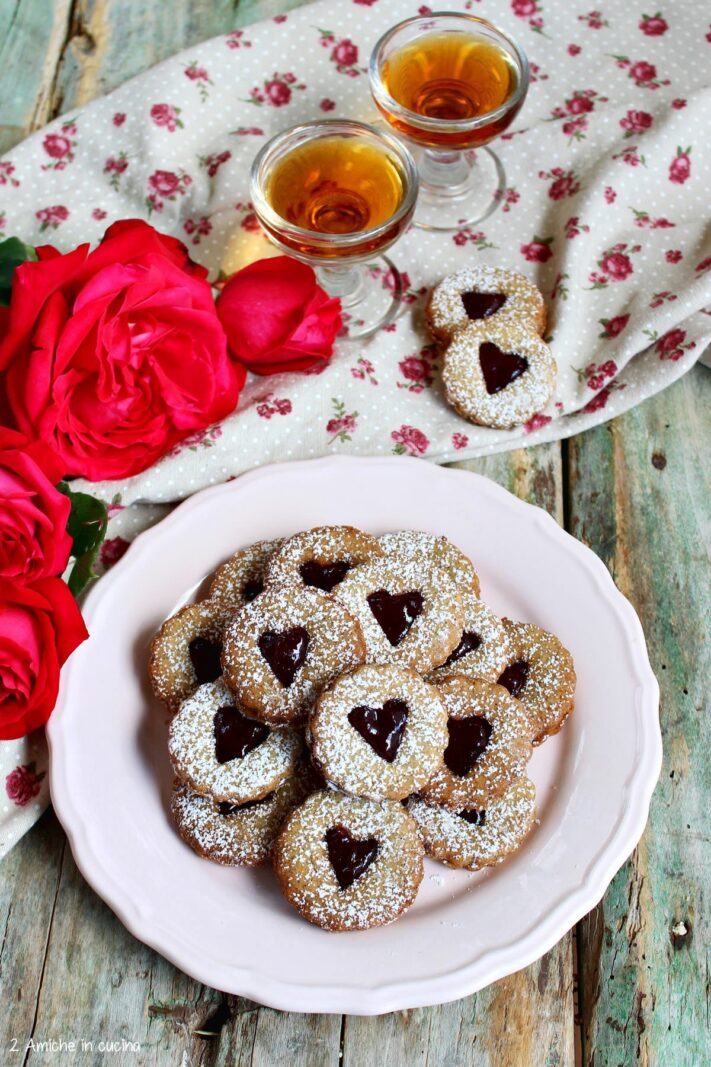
[34, 542]
[345, 53]
[578, 105]
[523, 8]
[561, 187]
[278, 92]
[643, 72]
[537, 252]
[115, 355]
[616, 265]
[23, 784]
[57, 145]
[680, 167]
[40, 626]
[636, 121]
[277, 318]
[671, 340]
[413, 368]
[164, 182]
[653, 26]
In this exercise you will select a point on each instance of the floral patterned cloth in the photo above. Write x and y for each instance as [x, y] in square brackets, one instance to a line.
[603, 206]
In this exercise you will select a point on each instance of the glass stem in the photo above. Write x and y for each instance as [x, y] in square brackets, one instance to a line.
[346, 281]
[444, 173]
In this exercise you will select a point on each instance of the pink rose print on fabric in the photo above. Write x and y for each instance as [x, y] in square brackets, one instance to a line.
[613, 328]
[560, 290]
[167, 115]
[672, 345]
[269, 405]
[573, 228]
[275, 91]
[703, 266]
[7, 174]
[237, 39]
[60, 146]
[200, 78]
[166, 185]
[401, 287]
[599, 401]
[418, 371]
[630, 155]
[409, 441]
[678, 104]
[673, 255]
[195, 441]
[615, 265]
[197, 228]
[52, 217]
[609, 194]
[642, 73]
[665, 297]
[248, 131]
[538, 250]
[680, 166]
[536, 422]
[653, 25]
[644, 221]
[594, 20]
[112, 550]
[596, 375]
[477, 238]
[459, 441]
[343, 53]
[279, 19]
[364, 371]
[563, 182]
[573, 116]
[508, 197]
[98, 213]
[23, 784]
[635, 122]
[574, 49]
[213, 162]
[115, 166]
[531, 11]
[119, 118]
[343, 424]
[537, 75]
[248, 221]
[327, 105]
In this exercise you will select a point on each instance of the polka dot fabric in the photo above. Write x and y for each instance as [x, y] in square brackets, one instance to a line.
[603, 207]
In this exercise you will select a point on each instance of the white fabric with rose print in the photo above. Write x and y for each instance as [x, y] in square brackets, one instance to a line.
[604, 207]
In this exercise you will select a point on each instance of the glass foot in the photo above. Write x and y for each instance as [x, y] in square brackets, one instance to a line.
[453, 196]
[369, 302]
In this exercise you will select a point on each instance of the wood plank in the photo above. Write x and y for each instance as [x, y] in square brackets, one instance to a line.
[526, 1019]
[640, 494]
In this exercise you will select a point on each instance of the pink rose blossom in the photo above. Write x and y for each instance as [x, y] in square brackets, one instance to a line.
[57, 145]
[636, 121]
[327, 105]
[410, 440]
[98, 214]
[653, 26]
[680, 167]
[609, 194]
[459, 440]
[346, 424]
[578, 105]
[617, 265]
[574, 49]
[278, 92]
[536, 252]
[23, 784]
[119, 118]
[165, 115]
[112, 550]
[671, 340]
[536, 422]
[345, 53]
[678, 104]
[197, 74]
[643, 72]
[614, 327]
[523, 9]
[164, 182]
[599, 401]
[413, 368]
[562, 187]
[52, 216]
[673, 255]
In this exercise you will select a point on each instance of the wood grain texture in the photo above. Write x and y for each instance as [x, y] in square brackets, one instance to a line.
[640, 493]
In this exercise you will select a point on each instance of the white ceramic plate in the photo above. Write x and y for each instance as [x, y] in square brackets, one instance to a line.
[230, 928]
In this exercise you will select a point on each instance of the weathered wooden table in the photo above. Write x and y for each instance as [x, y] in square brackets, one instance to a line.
[631, 983]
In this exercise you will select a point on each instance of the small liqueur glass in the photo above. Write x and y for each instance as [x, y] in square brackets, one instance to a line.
[450, 83]
[337, 194]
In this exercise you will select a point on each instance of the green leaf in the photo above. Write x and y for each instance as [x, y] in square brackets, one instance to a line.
[12, 253]
[87, 524]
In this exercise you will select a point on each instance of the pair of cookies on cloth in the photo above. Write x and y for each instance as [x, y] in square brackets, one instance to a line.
[372, 667]
[497, 369]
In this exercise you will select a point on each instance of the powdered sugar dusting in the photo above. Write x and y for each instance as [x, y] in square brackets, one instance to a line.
[524, 305]
[492, 655]
[170, 669]
[418, 547]
[549, 692]
[324, 544]
[241, 569]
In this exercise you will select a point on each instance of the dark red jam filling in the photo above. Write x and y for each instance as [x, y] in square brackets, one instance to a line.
[382, 727]
[515, 676]
[467, 740]
[469, 643]
[350, 858]
[236, 735]
[395, 612]
[285, 652]
[225, 808]
[500, 368]
[205, 658]
[482, 305]
[324, 575]
[471, 815]
[251, 590]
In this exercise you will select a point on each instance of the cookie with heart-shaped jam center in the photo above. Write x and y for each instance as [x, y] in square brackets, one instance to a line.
[280, 650]
[488, 747]
[241, 578]
[498, 376]
[220, 752]
[185, 653]
[237, 835]
[482, 295]
[484, 648]
[477, 837]
[379, 731]
[409, 610]
[347, 863]
[322, 557]
[540, 673]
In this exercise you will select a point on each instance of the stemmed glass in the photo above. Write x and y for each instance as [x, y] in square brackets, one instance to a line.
[450, 83]
[337, 194]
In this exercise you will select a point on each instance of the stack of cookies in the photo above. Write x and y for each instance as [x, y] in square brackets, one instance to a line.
[345, 704]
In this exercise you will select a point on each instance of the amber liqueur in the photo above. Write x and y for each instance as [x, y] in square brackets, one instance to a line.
[450, 76]
[335, 186]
